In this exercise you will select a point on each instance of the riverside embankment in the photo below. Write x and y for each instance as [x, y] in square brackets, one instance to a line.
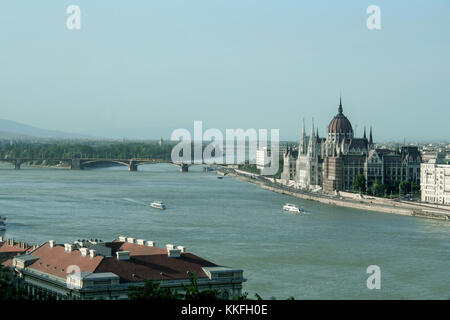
[343, 199]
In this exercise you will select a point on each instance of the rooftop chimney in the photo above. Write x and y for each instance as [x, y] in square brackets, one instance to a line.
[130, 240]
[123, 255]
[122, 239]
[83, 252]
[151, 243]
[52, 243]
[174, 253]
[68, 247]
[1, 239]
[140, 241]
[170, 246]
[92, 253]
[182, 249]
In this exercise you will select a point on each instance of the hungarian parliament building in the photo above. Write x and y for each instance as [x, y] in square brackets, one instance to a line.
[332, 163]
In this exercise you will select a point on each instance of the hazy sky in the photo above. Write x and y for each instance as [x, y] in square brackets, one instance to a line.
[230, 63]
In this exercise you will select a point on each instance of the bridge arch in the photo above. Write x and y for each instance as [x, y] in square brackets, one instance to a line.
[89, 163]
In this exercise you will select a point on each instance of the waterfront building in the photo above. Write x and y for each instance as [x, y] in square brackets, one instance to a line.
[435, 181]
[93, 269]
[289, 163]
[332, 163]
[262, 158]
[11, 248]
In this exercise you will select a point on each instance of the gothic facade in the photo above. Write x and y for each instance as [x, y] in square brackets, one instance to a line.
[333, 162]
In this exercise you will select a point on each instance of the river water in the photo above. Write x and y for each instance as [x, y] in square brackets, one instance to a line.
[323, 254]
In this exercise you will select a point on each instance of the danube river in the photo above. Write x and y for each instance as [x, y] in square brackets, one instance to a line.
[322, 254]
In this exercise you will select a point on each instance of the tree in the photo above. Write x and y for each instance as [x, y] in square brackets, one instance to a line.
[404, 187]
[359, 183]
[194, 294]
[377, 188]
[152, 291]
[10, 290]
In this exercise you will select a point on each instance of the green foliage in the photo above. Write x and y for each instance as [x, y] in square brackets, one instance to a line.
[249, 168]
[280, 168]
[406, 187]
[63, 150]
[359, 183]
[194, 294]
[377, 188]
[152, 291]
[243, 296]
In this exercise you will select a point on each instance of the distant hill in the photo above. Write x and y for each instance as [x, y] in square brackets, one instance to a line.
[15, 130]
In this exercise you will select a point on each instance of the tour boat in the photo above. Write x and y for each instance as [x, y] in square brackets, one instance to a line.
[292, 208]
[158, 205]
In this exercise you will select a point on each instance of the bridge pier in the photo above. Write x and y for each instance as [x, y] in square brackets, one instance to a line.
[75, 164]
[184, 167]
[133, 166]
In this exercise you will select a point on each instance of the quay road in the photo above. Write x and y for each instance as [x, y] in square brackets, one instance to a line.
[344, 199]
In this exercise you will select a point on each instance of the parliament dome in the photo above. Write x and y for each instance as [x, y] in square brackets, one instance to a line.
[340, 124]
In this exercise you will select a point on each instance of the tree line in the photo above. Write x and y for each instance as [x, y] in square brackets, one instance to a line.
[117, 150]
[377, 188]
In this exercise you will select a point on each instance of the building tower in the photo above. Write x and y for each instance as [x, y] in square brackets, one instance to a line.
[302, 146]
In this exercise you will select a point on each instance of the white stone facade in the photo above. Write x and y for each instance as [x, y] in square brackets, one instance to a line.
[435, 182]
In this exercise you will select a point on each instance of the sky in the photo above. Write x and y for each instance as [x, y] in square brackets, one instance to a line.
[143, 68]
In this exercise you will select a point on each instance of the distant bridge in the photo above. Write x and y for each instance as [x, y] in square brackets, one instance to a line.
[82, 163]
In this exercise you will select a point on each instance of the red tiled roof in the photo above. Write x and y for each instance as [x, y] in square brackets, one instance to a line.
[145, 262]
[55, 260]
[7, 263]
[135, 249]
[150, 267]
[5, 247]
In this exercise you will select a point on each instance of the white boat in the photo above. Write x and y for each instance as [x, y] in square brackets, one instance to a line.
[158, 205]
[292, 208]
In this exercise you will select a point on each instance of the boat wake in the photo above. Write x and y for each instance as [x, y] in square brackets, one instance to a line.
[134, 201]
